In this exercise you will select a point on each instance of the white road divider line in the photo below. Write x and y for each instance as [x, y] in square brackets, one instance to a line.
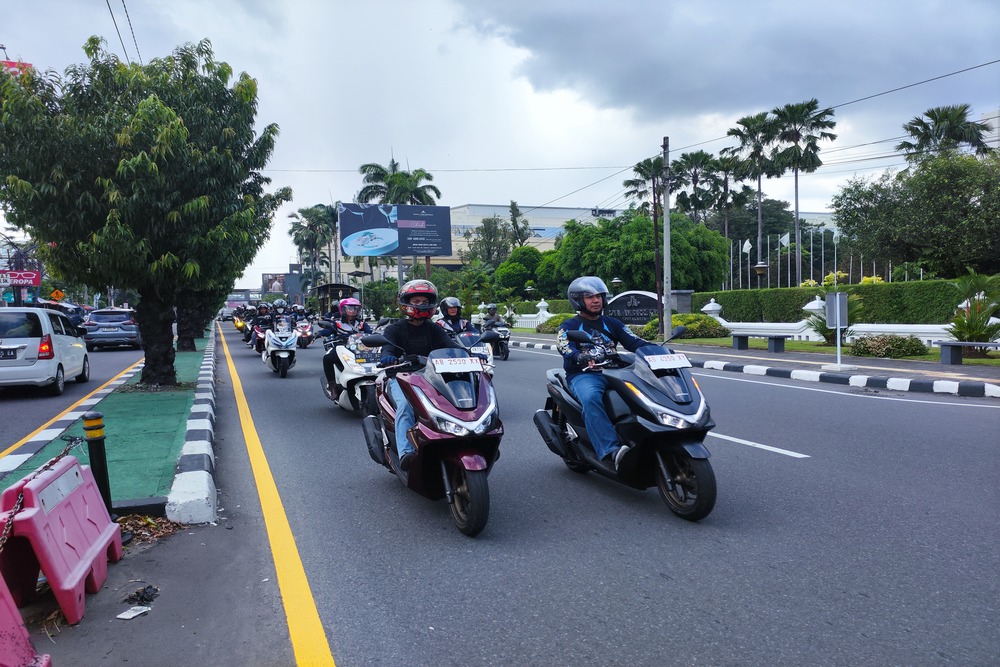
[749, 443]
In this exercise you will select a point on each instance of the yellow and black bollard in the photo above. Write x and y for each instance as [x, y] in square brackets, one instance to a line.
[93, 429]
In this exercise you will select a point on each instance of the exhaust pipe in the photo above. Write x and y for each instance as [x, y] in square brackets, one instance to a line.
[549, 432]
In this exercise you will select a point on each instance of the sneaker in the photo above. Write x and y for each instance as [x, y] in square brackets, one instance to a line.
[620, 454]
[405, 460]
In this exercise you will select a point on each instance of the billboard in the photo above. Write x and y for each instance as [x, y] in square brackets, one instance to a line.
[390, 229]
[273, 282]
[20, 278]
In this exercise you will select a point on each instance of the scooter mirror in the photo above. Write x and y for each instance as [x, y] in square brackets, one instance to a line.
[489, 336]
[578, 336]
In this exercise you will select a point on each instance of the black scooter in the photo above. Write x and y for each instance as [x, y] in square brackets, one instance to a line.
[656, 407]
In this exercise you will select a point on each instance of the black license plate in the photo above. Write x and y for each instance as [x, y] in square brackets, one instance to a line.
[8, 353]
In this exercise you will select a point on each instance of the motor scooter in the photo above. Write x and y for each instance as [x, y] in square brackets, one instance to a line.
[457, 433]
[305, 329]
[501, 348]
[355, 370]
[279, 346]
[657, 408]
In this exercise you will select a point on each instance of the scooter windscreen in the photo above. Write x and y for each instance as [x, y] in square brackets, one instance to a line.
[666, 371]
[454, 373]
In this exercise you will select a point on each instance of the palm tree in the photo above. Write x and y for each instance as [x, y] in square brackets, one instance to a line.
[944, 128]
[312, 228]
[725, 171]
[648, 179]
[694, 170]
[801, 127]
[755, 134]
[408, 187]
[376, 181]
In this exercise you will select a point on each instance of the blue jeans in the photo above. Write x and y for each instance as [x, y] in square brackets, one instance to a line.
[404, 417]
[589, 389]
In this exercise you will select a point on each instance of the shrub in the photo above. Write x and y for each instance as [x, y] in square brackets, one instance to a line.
[888, 347]
[551, 325]
[698, 326]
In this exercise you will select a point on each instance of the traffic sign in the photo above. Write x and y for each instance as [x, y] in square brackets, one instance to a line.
[4, 279]
[57, 294]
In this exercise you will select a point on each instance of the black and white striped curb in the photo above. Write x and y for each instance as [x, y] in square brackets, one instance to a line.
[192, 497]
[39, 440]
[971, 388]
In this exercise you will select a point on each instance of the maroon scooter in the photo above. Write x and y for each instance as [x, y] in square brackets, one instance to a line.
[457, 433]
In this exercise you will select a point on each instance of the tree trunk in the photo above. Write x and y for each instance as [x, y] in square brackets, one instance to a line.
[156, 318]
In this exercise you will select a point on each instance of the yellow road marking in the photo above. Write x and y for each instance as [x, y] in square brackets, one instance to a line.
[309, 640]
[62, 414]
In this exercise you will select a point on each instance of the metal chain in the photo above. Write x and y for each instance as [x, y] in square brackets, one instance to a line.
[71, 442]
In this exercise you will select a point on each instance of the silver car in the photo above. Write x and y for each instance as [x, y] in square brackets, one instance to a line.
[41, 347]
[110, 327]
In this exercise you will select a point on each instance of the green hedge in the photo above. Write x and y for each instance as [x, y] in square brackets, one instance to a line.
[913, 302]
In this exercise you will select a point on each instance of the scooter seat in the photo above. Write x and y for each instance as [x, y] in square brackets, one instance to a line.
[557, 376]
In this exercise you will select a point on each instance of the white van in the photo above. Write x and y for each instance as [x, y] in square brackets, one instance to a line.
[41, 347]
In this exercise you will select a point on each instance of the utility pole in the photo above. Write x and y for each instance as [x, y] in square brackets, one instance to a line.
[665, 312]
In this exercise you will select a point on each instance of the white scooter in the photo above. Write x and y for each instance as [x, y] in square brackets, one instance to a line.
[355, 370]
[279, 346]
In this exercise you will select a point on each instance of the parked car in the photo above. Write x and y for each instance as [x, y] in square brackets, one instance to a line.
[112, 327]
[41, 347]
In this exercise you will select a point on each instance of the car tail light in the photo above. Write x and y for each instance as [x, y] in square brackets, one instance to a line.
[45, 350]
[129, 322]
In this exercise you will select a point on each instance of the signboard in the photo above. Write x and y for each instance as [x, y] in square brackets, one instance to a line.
[57, 295]
[633, 307]
[602, 212]
[274, 282]
[388, 229]
[20, 278]
[836, 310]
[13, 66]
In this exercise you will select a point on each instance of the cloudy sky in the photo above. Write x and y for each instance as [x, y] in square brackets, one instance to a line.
[546, 102]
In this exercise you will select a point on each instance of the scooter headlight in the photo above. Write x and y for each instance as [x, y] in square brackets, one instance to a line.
[350, 360]
[667, 417]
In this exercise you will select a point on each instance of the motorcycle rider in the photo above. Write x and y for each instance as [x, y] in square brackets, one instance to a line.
[349, 322]
[451, 317]
[493, 319]
[414, 335]
[588, 296]
[263, 319]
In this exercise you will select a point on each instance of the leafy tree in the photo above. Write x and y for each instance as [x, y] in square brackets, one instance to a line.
[865, 210]
[527, 256]
[940, 129]
[520, 228]
[140, 176]
[548, 276]
[755, 133]
[800, 127]
[489, 242]
[511, 275]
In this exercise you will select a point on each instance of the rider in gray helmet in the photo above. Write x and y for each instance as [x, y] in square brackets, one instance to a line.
[589, 296]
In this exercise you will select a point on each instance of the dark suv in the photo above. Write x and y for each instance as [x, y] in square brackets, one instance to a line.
[110, 327]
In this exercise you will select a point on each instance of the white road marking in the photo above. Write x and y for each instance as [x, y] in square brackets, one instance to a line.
[750, 443]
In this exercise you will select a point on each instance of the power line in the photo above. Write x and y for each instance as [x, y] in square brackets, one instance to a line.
[133, 32]
[117, 30]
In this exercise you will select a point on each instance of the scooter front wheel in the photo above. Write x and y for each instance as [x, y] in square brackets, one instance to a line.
[686, 485]
[282, 366]
[470, 507]
[504, 351]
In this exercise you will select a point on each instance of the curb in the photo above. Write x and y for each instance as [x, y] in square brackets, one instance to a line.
[974, 389]
[192, 497]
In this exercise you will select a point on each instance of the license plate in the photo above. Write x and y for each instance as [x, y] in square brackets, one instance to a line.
[109, 329]
[9, 353]
[479, 349]
[664, 361]
[458, 365]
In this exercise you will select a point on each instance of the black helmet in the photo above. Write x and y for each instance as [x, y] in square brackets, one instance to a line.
[491, 309]
[586, 286]
[413, 288]
[450, 302]
[263, 307]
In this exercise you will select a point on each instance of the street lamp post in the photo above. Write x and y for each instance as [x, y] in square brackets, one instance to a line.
[616, 283]
[529, 290]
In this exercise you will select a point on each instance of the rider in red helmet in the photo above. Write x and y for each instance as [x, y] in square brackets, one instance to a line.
[413, 335]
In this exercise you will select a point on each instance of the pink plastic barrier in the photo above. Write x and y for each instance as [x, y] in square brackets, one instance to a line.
[15, 644]
[63, 528]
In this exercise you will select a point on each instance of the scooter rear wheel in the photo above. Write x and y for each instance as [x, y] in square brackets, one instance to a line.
[471, 507]
[686, 485]
[504, 351]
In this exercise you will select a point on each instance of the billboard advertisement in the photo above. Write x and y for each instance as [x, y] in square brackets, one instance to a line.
[273, 282]
[389, 229]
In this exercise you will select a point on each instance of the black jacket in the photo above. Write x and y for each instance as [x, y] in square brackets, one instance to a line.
[416, 339]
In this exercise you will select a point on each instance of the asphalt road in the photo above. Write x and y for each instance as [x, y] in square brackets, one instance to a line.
[852, 528]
